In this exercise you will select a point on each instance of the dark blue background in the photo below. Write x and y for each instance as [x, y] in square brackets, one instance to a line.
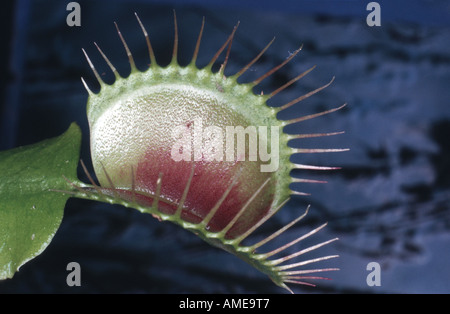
[389, 204]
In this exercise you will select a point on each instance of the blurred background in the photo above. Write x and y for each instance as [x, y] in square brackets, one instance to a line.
[389, 204]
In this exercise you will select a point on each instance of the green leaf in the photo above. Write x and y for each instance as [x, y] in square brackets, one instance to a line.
[30, 212]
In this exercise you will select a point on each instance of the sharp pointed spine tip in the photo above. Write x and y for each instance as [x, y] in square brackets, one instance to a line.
[295, 79]
[305, 96]
[124, 43]
[197, 45]
[185, 192]
[111, 66]
[157, 193]
[88, 175]
[298, 193]
[91, 65]
[72, 184]
[292, 137]
[242, 210]
[214, 58]
[213, 210]
[280, 231]
[300, 180]
[315, 115]
[276, 68]
[245, 68]
[86, 87]
[318, 150]
[110, 181]
[222, 68]
[261, 222]
[175, 40]
[306, 262]
[133, 184]
[147, 40]
[311, 167]
[301, 252]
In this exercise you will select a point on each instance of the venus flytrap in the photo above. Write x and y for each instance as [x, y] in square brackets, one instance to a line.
[171, 142]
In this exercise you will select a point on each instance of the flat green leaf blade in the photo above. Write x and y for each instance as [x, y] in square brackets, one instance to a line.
[30, 213]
